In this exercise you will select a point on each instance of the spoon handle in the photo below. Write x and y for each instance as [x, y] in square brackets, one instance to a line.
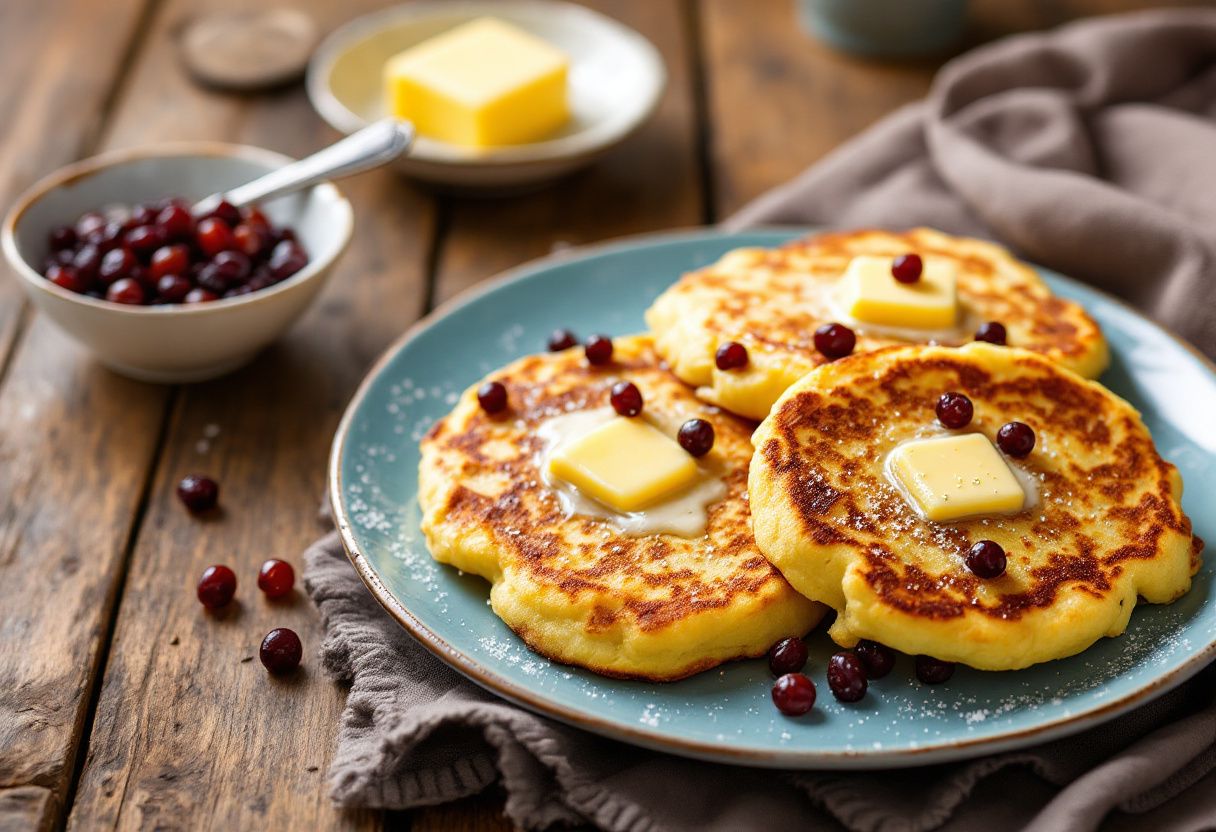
[374, 145]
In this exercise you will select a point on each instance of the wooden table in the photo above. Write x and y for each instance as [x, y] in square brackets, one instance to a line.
[121, 703]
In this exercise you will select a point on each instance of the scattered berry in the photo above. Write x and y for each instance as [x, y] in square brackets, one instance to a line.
[216, 587]
[835, 340]
[276, 578]
[1015, 439]
[731, 356]
[933, 671]
[696, 436]
[846, 677]
[878, 659]
[562, 339]
[907, 268]
[986, 559]
[199, 493]
[992, 332]
[626, 398]
[598, 349]
[787, 656]
[794, 694]
[954, 410]
[492, 396]
[281, 650]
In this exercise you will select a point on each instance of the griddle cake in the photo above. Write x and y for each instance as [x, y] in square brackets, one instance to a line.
[772, 301]
[1107, 530]
[576, 589]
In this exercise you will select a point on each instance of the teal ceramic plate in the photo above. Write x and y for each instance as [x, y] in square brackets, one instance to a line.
[726, 714]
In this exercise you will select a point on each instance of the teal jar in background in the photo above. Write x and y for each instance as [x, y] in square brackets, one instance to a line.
[886, 28]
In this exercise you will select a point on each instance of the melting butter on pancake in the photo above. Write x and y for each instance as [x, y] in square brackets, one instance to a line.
[577, 587]
[771, 301]
[1104, 528]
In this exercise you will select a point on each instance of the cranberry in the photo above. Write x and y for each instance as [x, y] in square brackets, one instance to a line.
[61, 237]
[226, 212]
[249, 239]
[127, 290]
[177, 221]
[696, 436]
[907, 268]
[216, 587]
[108, 237]
[286, 259]
[992, 332]
[598, 349]
[846, 677]
[794, 694]
[237, 291]
[88, 223]
[214, 278]
[116, 264]
[67, 277]
[787, 656]
[172, 288]
[731, 356]
[835, 340]
[933, 671]
[87, 261]
[492, 396]
[235, 265]
[877, 658]
[198, 493]
[253, 216]
[986, 559]
[626, 398]
[954, 410]
[561, 339]
[143, 214]
[214, 236]
[169, 260]
[145, 239]
[276, 578]
[281, 650]
[200, 295]
[1015, 439]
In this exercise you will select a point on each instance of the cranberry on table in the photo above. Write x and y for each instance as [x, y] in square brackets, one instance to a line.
[626, 398]
[128, 290]
[198, 493]
[216, 587]
[492, 396]
[954, 410]
[731, 356]
[598, 349]
[281, 650]
[787, 656]
[696, 436]
[992, 332]
[986, 559]
[847, 677]
[907, 268]
[794, 694]
[933, 671]
[276, 578]
[1015, 439]
[561, 339]
[878, 659]
[835, 340]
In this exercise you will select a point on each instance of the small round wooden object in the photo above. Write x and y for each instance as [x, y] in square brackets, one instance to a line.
[249, 50]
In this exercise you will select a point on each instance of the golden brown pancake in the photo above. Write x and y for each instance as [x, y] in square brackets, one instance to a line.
[575, 588]
[1108, 528]
[772, 301]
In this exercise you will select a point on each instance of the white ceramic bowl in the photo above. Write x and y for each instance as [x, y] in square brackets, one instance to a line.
[616, 79]
[178, 343]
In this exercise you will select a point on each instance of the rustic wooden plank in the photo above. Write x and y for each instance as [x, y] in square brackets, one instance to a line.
[189, 728]
[75, 442]
[650, 182]
[482, 813]
[27, 809]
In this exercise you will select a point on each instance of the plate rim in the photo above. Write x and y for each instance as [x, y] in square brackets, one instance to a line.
[656, 739]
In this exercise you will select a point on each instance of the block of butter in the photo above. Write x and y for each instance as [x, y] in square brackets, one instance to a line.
[868, 293]
[952, 477]
[481, 84]
[626, 464]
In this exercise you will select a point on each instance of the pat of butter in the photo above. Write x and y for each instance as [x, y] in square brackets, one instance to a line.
[952, 477]
[868, 293]
[626, 464]
[480, 84]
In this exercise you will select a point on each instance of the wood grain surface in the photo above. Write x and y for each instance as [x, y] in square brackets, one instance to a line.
[125, 704]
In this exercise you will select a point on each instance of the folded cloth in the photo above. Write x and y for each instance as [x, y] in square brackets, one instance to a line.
[1085, 149]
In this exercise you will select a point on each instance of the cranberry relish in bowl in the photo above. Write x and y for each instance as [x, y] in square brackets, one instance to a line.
[157, 332]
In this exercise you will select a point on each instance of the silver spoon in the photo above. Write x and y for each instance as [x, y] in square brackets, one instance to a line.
[377, 144]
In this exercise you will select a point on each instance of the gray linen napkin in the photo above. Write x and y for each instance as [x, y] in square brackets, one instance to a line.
[1086, 149]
